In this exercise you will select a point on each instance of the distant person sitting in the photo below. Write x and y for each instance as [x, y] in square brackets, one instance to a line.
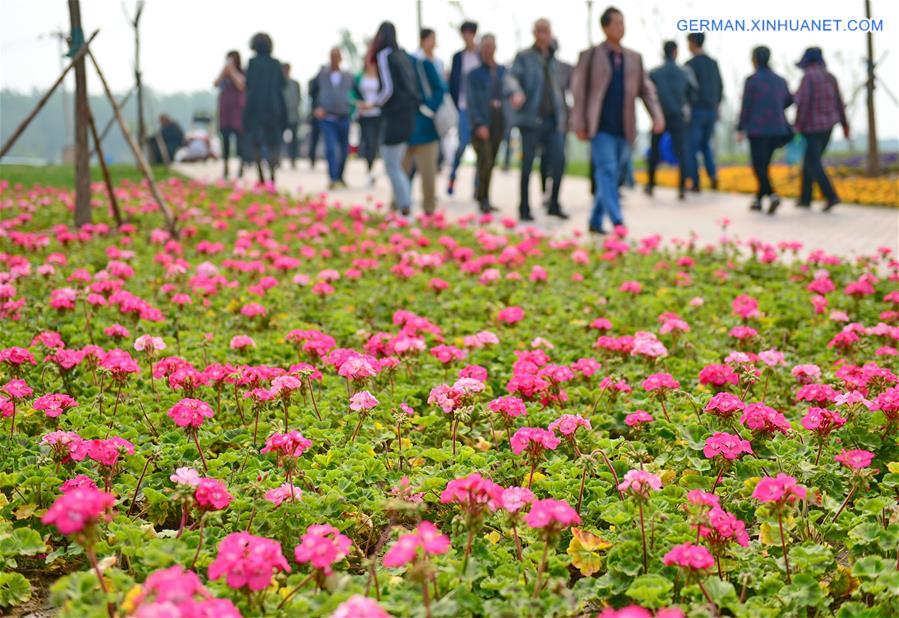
[166, 142]
[197, 145]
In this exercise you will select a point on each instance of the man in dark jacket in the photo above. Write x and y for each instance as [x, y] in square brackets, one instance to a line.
[464, 61]
[673, 85]
[264, 115]
[314, 128]
[486, 93]
[539, 115]
[333, 113]
[704, 113]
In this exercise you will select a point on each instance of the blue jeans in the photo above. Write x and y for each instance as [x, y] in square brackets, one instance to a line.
[336, 131]
[464, 138]
[392, 155]
[608, 152]
[702, 128]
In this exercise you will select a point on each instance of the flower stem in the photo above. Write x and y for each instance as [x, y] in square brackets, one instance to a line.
[531, 477]
[845, 502]
[519, 552]
[537, 584]
[139, 481]
[820, 448]
[199, 543]
[580, 495]
[643, 538]
[783, 544]
[358, 425]
[312, 396]
[92, 558]
[200, 451]
[708, 598]
[296, 589]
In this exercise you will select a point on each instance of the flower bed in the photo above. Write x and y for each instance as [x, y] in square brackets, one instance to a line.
[305, 411]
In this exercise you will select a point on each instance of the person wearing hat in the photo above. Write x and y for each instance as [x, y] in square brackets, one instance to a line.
[762, 120]
[819, 107]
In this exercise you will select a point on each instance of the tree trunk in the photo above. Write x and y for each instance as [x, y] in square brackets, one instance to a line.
[82, 155]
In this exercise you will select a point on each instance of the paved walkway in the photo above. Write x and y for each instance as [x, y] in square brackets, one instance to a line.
[847, 230]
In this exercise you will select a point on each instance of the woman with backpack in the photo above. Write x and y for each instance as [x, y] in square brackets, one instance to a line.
[398, 101]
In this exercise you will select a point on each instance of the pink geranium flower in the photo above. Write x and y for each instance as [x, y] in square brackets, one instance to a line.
[726, 445]
[54, 404]
[689, 556]
[190, 413]
[640, 483]
[782, 489]
[362, 401]
[286, 492]
[426, 538]
[551, 515]
[212, 494]
[855, 459]
[248, 561]
[321, 546]
[638, 419]
[79, 509]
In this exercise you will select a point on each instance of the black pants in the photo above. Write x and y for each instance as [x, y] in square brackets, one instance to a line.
[313, 139]
[550, 141]
[813, 170]
[486, 151]
[369, 138]
[761, 150]
[677, 129]
[293, 144]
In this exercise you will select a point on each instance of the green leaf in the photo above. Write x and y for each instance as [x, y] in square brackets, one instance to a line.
[651, 590]
[14, 589]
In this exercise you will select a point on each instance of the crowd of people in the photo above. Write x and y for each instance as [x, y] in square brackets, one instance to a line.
[407, 103]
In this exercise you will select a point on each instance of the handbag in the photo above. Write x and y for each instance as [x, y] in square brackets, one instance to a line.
[447, 116]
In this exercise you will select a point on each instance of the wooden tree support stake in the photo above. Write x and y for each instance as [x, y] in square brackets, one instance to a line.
[113, 202]
[136, 151]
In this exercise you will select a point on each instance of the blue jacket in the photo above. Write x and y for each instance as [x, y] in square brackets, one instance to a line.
[424, 131]
[479, 95]
[455, 77]
[527, 77]
[674, 85]
[765, 97]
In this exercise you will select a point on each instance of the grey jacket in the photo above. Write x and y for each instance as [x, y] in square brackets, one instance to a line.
[334, 99]
[526, 76]
[674, 85]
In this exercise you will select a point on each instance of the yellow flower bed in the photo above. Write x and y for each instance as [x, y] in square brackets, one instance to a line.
[882, 191]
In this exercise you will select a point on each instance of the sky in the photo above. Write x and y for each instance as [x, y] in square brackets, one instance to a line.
[184, 41]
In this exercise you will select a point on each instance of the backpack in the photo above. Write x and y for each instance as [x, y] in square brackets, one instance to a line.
[447, 116]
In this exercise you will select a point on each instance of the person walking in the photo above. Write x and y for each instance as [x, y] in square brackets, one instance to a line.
[398, 100]
[487, 91]
[231, 84]
[704, 110]
[540, 116]
[332, 110]
[673, 85]
[427, 44]
[292, 103]
[264, 115]
[314, 128]
[464, 62]
[424, 143]
[762, 120]
[819, 106]
[366, 91]
[606, 81]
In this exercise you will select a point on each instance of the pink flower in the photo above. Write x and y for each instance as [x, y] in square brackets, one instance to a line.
[718, 375]
[725, 405]
[426, 537]
[285, 493]
[638, 418]
[781, 489]
[535, 440]
[248, 561]
[358, 606]
[175, 592]
[689, 556]
[54, 404]
[639, 483]
[745, 306]
[822, 421]
[514, 499]
[473, 492]
[17, 390]
[190, 413]
[631, 287]
[148, 343]
[212, 494]
[447, 354]
[551, 515]
[362, 401]
[511, 315]
[241, 342]
[855, 459]
[660, 382]
[508, 407]
[291, 444]
[79, 509]
[322, 546]
[104, 452]
[727, 445]
[567, 424]
[186, 476]
[80, 481]
[806, 374]
[764, 419]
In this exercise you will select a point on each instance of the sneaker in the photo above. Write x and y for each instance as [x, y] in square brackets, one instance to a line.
[449, 186]
[774, 202]
[525, 217]
[830, 204]
[597, 230]
[801, 204]
[406, 211]
[714, 184]
[680, 195]
[756, 205]
[557, 212]
[371, 180]
[648, 190]
[332, 186]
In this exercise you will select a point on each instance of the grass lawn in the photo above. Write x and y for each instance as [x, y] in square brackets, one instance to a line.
[64, 175]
